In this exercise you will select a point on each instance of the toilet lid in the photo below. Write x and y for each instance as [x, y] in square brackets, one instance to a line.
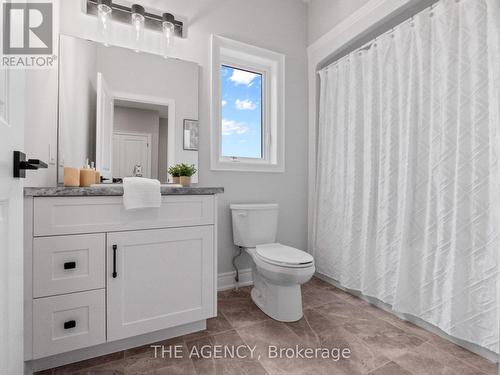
[280, 254]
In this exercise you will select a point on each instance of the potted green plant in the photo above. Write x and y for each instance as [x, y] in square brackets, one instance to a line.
[182, 173]
[186, 171]
[175, 172]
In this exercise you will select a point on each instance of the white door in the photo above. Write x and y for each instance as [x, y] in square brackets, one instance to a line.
[129, 150]
[11, 223]
[163, 278]
[104, 128]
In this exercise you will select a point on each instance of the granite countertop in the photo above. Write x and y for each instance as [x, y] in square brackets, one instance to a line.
[61, 191]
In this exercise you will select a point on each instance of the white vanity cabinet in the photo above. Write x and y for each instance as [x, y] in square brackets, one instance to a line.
[102, 274]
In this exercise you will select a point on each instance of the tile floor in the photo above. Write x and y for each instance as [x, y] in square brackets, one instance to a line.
[380, 343]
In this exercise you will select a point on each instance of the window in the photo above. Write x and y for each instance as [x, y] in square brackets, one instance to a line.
[247, 108]
[241, 108]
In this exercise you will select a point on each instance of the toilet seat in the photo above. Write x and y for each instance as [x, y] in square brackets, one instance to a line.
[284, 256]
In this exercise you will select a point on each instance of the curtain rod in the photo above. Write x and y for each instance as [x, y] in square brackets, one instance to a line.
[367, 45]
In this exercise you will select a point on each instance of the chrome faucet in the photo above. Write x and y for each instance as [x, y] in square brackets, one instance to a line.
[138, 170]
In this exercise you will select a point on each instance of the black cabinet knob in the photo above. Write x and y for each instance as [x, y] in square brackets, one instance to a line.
[70, 324]
[69, 265]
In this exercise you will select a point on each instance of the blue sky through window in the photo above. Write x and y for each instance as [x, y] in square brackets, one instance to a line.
[241, 122]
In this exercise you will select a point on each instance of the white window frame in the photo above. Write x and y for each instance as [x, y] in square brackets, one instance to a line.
[272, 67]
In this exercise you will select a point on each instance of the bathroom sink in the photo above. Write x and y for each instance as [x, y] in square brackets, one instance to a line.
[103, 186]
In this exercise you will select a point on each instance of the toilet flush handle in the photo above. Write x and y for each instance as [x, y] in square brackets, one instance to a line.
[243, 214]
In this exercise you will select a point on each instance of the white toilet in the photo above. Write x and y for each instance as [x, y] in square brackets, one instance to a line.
[278, 270]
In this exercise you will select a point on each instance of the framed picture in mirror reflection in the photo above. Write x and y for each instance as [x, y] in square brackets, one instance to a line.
[191, 135]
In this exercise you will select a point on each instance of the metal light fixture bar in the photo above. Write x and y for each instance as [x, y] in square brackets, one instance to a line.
[122, 13]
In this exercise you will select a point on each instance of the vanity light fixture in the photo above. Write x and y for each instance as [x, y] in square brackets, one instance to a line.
[168, 30]
[137, 19]
[104, 12]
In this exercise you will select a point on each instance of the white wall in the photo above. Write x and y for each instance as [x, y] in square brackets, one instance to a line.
[324, 15]
[278, 25]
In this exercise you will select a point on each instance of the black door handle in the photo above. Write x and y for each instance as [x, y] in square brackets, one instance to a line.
[69, 265]
[70, 324]
[115, 247]
[21, 164]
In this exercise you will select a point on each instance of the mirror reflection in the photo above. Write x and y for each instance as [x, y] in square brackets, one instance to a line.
[132, 113]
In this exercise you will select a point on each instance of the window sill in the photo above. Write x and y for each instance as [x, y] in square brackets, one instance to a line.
[247, 167]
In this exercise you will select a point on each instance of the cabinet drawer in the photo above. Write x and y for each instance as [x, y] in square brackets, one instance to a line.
[73, 215]
[68, 322]
[68, 264]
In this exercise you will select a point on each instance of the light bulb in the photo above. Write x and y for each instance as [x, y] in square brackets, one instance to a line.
[104, 10]
[167, 39]
[137, 19]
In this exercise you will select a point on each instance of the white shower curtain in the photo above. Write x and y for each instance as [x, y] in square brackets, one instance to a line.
[407, 179]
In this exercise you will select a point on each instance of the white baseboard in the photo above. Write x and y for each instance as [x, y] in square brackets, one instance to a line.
[226, 280]
[413, 319]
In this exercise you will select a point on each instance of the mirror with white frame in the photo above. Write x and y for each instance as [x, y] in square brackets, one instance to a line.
[125, 110]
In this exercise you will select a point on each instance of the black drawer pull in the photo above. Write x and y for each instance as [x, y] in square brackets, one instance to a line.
[70, 324]
[114, 274]
[69, 265]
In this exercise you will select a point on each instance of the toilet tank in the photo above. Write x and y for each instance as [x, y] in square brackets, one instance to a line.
[254, 224]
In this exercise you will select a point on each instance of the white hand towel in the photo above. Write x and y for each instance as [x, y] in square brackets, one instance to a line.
[141, 192]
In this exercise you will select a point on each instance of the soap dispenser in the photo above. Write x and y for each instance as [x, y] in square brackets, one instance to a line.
[87, 175]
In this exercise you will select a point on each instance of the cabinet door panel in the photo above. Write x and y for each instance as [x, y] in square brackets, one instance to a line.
[164, 278]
